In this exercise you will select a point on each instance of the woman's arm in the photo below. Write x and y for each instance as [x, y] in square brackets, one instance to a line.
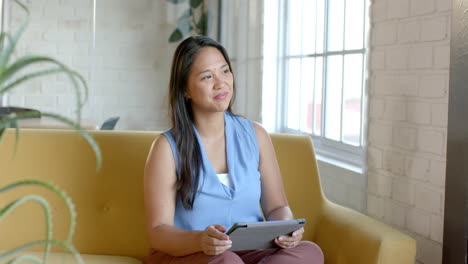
[160, 201]
[160, 198]
[273, 200]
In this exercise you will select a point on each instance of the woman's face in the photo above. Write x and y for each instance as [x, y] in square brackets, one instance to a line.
[210, 82]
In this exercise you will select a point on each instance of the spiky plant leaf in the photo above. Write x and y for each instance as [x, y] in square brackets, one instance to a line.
[65, 245]
[56, 190]
[12, 121]
[25, 258]
[27, 61]
[15, 83]
[82, 132]
[9, 80]
[4, 123]
[10, 47]
[47, 211]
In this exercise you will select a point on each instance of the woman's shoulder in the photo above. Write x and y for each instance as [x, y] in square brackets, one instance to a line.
[255, 128]
[161, 143]
[259, 129]
[242, 122]
[261, 133]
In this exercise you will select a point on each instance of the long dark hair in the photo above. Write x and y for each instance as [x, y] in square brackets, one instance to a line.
[190, 157]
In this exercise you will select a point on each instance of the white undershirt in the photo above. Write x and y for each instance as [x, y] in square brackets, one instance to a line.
[225, 179]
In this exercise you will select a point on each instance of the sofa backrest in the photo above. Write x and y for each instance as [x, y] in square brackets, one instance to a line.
[109, 202]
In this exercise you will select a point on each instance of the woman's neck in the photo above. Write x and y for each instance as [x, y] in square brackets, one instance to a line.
[209, 125]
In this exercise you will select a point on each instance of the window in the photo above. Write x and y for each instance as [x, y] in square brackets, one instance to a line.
[317, 51]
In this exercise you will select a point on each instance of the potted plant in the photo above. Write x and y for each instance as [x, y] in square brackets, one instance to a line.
[12, 76]
[193, 20]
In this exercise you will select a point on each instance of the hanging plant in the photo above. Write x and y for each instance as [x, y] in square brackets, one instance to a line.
[193, 21]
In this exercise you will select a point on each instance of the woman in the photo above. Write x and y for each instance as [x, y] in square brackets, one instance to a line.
[212, 169]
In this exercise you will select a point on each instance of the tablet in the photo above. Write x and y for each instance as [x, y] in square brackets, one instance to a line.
[261, 235]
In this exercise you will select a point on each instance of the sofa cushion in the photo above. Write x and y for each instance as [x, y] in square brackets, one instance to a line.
[60, 258]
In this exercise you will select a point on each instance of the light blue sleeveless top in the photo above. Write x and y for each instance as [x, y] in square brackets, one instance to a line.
[215, 203]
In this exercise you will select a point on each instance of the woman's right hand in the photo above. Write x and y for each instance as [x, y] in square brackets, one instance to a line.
[213, 241]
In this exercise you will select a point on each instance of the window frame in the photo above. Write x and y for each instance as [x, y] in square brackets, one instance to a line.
[328, 150]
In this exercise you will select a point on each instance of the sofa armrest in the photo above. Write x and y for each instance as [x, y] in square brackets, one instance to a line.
[347, 236]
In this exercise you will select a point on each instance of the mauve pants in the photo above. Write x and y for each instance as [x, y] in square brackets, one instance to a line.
[305, 253]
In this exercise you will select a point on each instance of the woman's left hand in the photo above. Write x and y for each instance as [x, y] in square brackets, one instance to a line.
[290, 241]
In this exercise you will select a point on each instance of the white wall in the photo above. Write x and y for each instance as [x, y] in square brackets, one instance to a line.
[127, 70]
[408, 118]
[343, 186]
[242, 36]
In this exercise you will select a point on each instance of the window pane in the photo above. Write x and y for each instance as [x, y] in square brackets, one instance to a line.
[294, 27]
[293, 92]
[270, 48]
[333, 97]
[318, 96]
[335, 25]
[320, 25]
[307, 94]
[352, 99]
[308, 36]
[354, 29]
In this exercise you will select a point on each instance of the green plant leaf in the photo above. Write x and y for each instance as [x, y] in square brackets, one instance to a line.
[47, 211]
[27, 77]
[202, 24]
[83, 133]
[183, 23]
[59, 243]
[12, 121]
[6, 54]
[176, 1]
[4, 123]
[2, 40]
[55, 189]
[2, 132]
[26, 258]
[175, 36]
[71, 74]
[195, 3]
[25, 61]
[7, 72]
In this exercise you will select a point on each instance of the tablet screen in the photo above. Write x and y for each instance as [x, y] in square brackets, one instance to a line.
[261, 235]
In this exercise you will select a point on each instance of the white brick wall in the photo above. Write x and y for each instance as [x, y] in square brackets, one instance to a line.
[422, 7]
[408, 109]
[127, 71]
[343, 186]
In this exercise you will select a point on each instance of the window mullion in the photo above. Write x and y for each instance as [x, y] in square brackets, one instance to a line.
[363, 81]
[355, 51]
[300, 67]
[284, 94]
[342, 72]
[364, 67]
[324, 69]
[315, 73]
[342, 97]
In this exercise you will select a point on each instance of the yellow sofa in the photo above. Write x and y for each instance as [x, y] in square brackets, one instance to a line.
[109, 203]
